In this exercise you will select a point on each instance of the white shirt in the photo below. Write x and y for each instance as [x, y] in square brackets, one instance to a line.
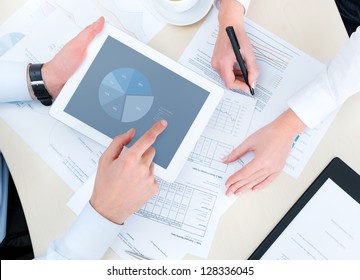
[91, 234]
[329, 90]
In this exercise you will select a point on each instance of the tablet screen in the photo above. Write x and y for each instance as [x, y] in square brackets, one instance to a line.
[124, 89]
[327, 227]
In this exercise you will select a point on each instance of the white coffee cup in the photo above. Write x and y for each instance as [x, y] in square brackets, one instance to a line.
[177, 6]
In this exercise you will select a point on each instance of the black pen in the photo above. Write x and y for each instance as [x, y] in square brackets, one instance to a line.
[236, 47]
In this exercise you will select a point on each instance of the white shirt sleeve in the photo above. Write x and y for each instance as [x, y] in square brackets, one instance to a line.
[88, 238]
[245, 3]
[13, 82]
[330, 89]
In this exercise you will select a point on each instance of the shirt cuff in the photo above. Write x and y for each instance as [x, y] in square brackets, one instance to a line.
[88, 238]
[312, 104]
[245, 4]
[13, 82]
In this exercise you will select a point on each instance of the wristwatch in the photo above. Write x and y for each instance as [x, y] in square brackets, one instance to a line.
[38, 85]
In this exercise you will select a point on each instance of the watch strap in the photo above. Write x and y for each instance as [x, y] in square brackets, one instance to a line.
[38, 85]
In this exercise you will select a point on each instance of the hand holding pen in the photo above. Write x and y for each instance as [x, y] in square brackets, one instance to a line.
[236, 48]
[224, 59]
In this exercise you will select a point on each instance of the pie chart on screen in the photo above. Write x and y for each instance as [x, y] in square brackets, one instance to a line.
[125, 94]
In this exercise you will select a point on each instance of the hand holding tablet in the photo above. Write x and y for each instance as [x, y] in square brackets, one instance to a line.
[125, 84]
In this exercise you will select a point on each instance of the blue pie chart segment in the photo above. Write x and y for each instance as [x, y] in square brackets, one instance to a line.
[125, 94]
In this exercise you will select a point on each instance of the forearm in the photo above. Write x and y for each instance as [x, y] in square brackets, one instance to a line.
[231, 12]
[289, 124]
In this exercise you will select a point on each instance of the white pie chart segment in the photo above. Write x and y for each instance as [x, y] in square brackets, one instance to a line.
[136, 107]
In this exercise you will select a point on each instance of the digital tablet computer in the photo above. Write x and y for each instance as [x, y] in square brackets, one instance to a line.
[125, 84]
[323, 224]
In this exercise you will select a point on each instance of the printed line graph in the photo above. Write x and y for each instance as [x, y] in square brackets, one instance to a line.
[269, 54]
[225, 117]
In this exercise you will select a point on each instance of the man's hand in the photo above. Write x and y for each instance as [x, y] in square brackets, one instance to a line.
[125, 181]
[57, 71]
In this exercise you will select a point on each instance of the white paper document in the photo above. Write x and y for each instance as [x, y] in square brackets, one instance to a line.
[134, 17]
[327, 228]
[28, 18]
[180, 219]
[283, 70]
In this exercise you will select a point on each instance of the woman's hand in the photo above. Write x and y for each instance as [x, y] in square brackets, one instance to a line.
[271, 146]
[231, 13]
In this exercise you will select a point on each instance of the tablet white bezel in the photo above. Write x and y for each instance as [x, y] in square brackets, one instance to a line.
[215, 94]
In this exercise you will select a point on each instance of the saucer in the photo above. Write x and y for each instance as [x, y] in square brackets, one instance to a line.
[188, 17]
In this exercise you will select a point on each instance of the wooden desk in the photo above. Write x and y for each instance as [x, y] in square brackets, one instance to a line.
[313, 26]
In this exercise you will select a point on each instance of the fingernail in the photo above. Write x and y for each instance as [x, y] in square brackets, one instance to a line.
[225, 158]
[164, 123]
[253, 85]
[131, 130]
[227, 186]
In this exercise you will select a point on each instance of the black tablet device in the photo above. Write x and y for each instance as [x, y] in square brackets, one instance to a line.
[323, 224]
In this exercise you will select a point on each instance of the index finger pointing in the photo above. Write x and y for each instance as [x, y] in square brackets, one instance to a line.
[149, 137]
